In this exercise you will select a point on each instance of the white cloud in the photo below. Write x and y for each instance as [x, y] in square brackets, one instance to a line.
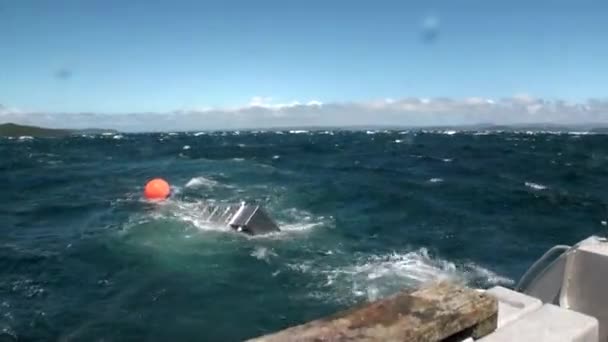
[4, 110]
[268, 103]
[264, 112]
[524, 99]
[259, 101]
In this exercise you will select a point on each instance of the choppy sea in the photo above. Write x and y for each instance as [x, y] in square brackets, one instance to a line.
[83, 257]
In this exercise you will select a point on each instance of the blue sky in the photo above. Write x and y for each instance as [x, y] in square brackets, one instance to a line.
[158, 56]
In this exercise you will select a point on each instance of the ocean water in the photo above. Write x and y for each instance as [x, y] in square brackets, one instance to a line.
[363, 214]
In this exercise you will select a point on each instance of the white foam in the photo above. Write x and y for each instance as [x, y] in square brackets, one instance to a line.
[276, 157]
[299, 131]
[398, 141]
[381, 275]
[436, 180]
[117, 137]
[535, 186]
[447, 160]
[289, 229]
[198, 134]
[299, 227]
[26, 137]
[473, 271]
[191, 213]
[298, 222]
[26, 287]
[186, 147]
[8, 330]
[201, 181]
[263, 253]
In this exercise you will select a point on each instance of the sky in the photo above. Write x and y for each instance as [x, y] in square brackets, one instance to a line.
[309, 61]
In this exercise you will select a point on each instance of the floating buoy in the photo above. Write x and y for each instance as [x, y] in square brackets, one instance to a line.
[157, 189]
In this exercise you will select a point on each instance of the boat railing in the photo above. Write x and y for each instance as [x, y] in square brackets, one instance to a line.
[543, 263]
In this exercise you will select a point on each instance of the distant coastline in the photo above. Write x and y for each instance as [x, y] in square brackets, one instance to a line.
[15, 130]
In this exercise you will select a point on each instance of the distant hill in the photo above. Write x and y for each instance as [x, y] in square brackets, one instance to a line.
[14, 130]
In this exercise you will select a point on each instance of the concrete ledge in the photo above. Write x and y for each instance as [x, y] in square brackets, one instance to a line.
[432, 313]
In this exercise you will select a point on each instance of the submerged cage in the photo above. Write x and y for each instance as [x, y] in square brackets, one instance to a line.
[245, 218]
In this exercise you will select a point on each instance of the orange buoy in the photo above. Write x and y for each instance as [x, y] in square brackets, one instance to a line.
[157, 189]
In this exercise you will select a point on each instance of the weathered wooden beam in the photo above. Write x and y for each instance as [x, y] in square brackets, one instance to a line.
[435, 312]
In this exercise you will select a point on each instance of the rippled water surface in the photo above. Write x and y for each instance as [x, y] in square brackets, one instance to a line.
[363, 214]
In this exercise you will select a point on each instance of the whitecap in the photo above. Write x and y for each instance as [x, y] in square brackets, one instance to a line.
[186, 147]
[436, 180]
[27, 288]
[398, 141]
[299, 131]
[201, 181]
[535, 186]
[26, 137]
[117, 137]
[198, 134]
